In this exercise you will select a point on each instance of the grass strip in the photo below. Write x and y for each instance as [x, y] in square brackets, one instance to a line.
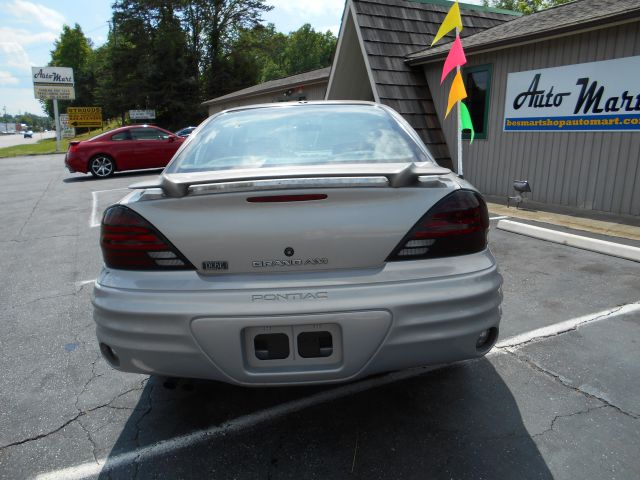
[48, 145]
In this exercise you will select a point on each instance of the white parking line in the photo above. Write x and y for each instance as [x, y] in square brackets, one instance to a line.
[83, 283]
[251, 420]
[232, 426]
[94, 221]
[568, 325]
[498, 218]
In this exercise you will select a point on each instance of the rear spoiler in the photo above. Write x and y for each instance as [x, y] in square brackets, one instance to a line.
[181, 185]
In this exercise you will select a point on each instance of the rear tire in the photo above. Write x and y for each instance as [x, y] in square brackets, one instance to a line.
[102, 166]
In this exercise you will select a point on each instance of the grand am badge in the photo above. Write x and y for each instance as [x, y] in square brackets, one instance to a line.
[294, 262]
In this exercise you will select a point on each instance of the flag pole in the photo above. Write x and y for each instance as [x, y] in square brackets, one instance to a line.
[459, 127]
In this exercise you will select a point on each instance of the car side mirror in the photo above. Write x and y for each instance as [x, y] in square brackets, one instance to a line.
[172, 138]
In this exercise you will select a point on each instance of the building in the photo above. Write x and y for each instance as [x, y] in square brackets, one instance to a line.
[576, 138]
[305, 86]
[376, 36]
[6, 127]
[588, 169]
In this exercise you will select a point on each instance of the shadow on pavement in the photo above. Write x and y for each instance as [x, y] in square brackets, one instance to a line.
[459, 422]
[132, 174]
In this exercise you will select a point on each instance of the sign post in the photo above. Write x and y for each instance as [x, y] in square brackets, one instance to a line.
[455, 58]
[53, 83]
[459, 124]
[56, 119]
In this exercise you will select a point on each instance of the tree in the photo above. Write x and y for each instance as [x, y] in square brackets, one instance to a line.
[172, 86]
[106, 80]
[193, 21]
[36, 123]
[74, 50]
[143, 65]
[260, 49]
[308, 50]
[222, 21]
[129, 54]
[524, 6]
[271, 54]
[169, 55]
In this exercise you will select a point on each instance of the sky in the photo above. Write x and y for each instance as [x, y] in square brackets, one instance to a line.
[28, 29]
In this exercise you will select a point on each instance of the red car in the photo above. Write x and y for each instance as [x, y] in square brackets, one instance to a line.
[127, 148]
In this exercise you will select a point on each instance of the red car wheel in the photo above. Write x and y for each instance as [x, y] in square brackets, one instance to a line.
[102, 166]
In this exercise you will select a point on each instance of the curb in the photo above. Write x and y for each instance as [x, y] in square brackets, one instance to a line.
[610, 227]
[592, 244]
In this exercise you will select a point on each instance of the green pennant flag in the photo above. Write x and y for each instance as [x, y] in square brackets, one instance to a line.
[465, 118]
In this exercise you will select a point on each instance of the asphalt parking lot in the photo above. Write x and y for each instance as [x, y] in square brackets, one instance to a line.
[560, 398]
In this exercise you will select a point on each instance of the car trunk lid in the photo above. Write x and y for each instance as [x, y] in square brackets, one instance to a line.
[330, 222]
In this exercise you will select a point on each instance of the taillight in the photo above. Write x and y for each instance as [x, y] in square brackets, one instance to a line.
[129, 242]
[456, 225]
[73, 146]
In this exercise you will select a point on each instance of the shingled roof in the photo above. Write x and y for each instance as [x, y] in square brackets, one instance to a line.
[391, 30]
[306, 78]
[570, 17]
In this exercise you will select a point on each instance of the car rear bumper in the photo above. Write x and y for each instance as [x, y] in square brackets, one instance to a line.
[68, 165]
[376, 326]
[74, 164]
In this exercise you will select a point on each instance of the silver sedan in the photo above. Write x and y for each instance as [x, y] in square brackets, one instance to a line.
[297, 244]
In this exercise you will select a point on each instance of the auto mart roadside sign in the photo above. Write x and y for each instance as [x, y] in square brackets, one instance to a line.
[53, 83]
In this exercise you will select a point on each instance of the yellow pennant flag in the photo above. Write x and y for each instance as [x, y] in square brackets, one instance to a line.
[451, 21]
[457, 92]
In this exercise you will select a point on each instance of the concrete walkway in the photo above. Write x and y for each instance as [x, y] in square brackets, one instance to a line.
[576, 223]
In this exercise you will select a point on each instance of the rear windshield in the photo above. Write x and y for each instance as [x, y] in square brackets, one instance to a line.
[297, 136]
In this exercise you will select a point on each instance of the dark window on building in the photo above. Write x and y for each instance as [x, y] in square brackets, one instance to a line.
[477, 81]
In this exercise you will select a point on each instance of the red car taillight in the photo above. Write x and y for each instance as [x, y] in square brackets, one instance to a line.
[73, 146]
[129, 242]
[456, 225]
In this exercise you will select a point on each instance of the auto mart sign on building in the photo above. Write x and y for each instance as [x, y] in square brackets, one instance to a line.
[53, 83]
[593, 96]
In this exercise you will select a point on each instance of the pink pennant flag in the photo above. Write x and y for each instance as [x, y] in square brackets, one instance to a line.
[455, 59]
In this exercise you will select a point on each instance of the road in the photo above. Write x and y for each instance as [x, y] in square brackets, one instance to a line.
[18, 139]
[563, 403]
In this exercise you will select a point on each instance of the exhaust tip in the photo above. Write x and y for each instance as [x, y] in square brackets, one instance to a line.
[109, 355]
[486, 339]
